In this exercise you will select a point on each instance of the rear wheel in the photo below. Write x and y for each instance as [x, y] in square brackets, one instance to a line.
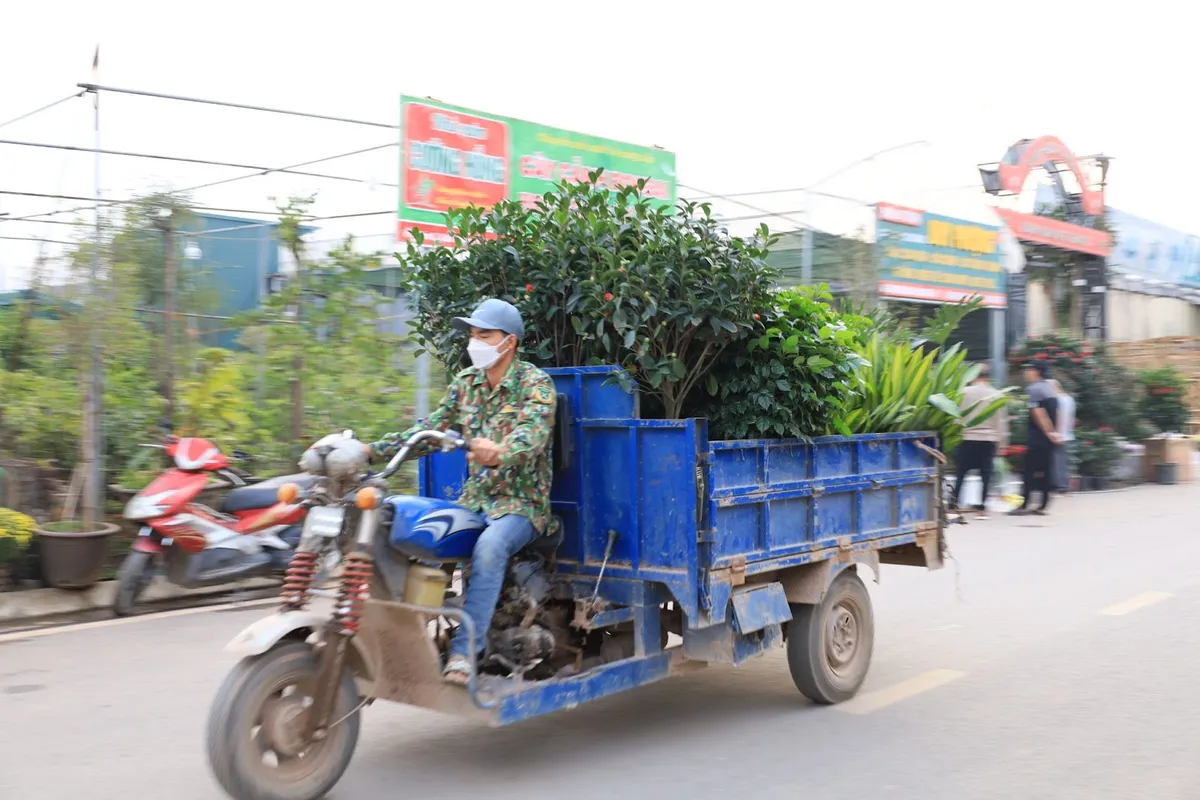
[132, 579]
[256, 746]
[830, 644]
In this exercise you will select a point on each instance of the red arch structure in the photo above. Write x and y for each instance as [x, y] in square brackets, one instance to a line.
[1009, 175]
[1048, 153]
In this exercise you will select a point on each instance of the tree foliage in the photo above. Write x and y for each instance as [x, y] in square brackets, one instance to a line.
[601, 277]
[793, 380]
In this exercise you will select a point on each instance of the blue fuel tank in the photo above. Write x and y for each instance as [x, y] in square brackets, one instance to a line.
[435, 530]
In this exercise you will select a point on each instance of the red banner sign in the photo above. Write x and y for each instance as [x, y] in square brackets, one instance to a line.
[1056, 233]
[453, 160]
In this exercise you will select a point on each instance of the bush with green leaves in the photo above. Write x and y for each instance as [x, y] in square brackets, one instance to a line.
[1164, 399]
[1095, 453]
[600, 277]
[903, 388]
[793, 380]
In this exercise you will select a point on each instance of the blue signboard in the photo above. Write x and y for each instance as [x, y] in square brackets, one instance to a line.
[938, 259]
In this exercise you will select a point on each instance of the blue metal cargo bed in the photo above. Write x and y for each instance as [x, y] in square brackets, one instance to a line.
[701, 516]
[721, 542]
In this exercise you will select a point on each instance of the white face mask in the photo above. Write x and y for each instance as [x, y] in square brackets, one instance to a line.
[483, 355]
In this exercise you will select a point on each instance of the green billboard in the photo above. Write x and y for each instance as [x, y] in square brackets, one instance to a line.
[452, 157]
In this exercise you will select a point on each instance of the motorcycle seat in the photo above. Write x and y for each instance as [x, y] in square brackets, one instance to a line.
[545, 546]
[261, 495]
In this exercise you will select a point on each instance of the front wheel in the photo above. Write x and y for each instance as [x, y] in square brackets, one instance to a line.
[256, 747]
[829, 645]
[132, 579]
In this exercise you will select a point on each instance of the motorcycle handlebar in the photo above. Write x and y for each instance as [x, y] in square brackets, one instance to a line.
[449, 440]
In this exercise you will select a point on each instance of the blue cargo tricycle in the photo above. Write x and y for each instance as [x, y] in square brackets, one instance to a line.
[735, 547]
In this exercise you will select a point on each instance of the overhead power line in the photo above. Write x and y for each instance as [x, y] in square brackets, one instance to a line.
[115, 203]
[364, 214]
[184, 160]
[46, 107]
[91, 87]
[36, 239]
[780, 214]
[223, 181]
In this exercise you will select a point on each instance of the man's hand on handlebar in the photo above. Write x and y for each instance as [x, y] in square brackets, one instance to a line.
[485, 452]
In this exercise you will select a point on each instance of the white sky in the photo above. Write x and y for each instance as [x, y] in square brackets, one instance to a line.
[750, 95]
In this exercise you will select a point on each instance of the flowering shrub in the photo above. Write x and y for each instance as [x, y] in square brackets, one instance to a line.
[600, 277]
[1163, 401]
[1100, 386]
[1096, 453]
[16, 530]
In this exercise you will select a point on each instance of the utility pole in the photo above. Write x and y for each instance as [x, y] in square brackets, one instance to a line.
[92, 445]
[166, 224]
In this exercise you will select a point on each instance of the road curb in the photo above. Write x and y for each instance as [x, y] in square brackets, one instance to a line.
[36, 603]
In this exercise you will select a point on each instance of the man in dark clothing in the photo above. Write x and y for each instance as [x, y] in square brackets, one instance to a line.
[1043, 436]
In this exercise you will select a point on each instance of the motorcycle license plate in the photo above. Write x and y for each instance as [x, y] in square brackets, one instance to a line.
[324, 521]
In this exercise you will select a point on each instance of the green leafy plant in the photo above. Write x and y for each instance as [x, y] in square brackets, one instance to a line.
[601, 277]
[1163, 402]
[793, 380]
[1095, 452]
[215, 402]
[907, 389]
[947, 318]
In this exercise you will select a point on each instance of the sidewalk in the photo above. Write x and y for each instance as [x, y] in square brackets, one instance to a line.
[36, 603]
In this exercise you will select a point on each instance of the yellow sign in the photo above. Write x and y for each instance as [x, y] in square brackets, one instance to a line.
[957, 236]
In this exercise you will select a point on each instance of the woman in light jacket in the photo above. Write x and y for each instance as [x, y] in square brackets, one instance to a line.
[1066, 429]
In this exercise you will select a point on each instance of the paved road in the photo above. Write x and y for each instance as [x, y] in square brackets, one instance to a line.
[1059, 663]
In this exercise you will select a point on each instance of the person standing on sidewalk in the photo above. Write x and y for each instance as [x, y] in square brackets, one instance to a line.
[1066, 430]
[979, 444]
[1043, 435]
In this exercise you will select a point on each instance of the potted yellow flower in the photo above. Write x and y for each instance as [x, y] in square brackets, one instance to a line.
[16, 532]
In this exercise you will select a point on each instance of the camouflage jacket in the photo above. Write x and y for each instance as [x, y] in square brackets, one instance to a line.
[518, 415]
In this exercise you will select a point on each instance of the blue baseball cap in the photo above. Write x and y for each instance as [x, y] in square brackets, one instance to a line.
[493, 315]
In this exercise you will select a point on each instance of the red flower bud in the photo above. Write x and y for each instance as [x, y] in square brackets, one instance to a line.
[756, 316]
[608, 296]
[529, 287]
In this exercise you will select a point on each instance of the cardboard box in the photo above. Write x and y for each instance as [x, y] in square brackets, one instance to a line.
[1161, 450]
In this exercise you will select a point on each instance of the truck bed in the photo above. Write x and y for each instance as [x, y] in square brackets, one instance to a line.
[702, 518]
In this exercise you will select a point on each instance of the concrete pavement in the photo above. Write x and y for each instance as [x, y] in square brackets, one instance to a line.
[1057, 661]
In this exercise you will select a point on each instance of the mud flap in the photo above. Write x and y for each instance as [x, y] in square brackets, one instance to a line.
[261, 636]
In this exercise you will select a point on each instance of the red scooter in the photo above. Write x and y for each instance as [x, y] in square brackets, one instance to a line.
[252, 533]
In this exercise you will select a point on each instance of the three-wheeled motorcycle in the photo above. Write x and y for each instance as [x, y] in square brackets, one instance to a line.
[735, 547]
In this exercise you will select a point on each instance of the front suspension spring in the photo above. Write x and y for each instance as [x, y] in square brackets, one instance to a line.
[298, 580]
[357, 570]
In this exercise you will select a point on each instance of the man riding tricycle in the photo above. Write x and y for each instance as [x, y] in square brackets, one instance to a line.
[581, 537]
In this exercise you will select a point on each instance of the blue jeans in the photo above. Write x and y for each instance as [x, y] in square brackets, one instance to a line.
[489, 563]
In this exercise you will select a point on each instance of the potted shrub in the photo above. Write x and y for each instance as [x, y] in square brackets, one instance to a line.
[16, 533]
[1096, 452]
[73, 553]
[1163, 402]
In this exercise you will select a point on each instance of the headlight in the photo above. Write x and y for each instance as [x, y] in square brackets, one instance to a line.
[149, 506]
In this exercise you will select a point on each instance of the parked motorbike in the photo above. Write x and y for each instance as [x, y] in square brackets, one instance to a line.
[250, 533]
[296, 685]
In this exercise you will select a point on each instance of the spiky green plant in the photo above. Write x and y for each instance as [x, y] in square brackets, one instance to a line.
[906, 389]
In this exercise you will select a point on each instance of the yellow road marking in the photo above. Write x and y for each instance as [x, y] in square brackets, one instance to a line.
[37, 633]
[1134, 603]
[918, 684]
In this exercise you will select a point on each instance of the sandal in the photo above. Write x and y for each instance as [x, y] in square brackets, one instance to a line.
[457, 671]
